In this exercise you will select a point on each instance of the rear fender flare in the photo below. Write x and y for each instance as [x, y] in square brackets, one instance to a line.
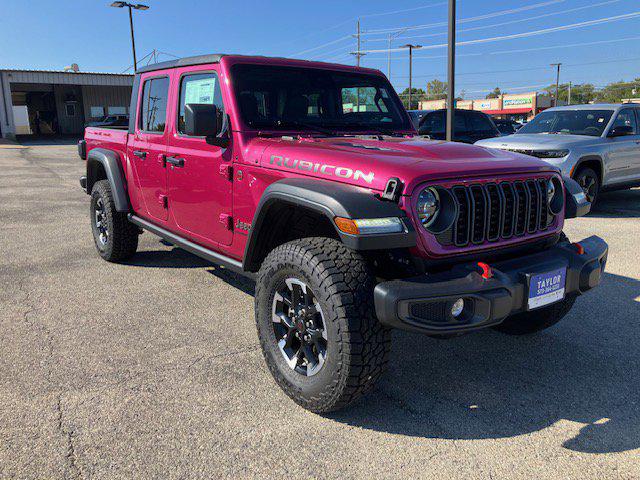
[110, 162]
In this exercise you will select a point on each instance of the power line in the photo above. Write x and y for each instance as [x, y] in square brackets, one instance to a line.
[510, 22]
[465, 20]
[561, 28]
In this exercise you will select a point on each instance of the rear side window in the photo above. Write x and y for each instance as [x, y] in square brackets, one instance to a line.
[479, 123]
[153, 113]
[200, 88]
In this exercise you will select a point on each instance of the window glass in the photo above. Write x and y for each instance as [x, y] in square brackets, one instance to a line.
[97, 112]
[433, 122]
[626, 118]
[117, 110]
[479, 123]
[285, 98]
[569, 122]
[201, 88]
[153, 115]
[70, 110]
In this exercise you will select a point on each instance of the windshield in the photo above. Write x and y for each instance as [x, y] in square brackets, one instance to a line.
[569, 122]
[310, 99]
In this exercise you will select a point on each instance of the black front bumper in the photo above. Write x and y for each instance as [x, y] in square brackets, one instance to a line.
[424, 303]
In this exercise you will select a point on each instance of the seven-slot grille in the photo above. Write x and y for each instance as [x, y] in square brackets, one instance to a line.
[498, 211]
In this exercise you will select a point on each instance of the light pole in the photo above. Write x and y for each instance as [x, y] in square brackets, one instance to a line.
[137, 6]
[555, 103]
[451, 71]
[410, 47]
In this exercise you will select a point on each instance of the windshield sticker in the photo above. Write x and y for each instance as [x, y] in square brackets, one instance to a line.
[322, 168]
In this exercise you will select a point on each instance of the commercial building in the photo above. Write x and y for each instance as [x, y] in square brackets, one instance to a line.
[37, 102]
[519, 107]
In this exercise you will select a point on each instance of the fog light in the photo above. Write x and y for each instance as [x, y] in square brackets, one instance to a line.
[457, 308]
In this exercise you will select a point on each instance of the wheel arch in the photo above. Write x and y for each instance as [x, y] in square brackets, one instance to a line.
[594, 162]
[103, 164]
[322, 201]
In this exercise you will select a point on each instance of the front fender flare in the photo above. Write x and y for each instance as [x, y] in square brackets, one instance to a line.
[330, 199]
[110, 162]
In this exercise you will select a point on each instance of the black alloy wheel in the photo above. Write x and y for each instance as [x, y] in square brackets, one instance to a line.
[298, 324]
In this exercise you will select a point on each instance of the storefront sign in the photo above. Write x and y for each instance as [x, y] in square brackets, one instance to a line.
[517, 102]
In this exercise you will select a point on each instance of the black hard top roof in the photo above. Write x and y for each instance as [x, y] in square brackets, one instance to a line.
[182, 62]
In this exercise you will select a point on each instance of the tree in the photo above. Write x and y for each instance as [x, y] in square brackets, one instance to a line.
[495, 93]
[616, 91]
[436, 90]
[580, 93]
[417, 94]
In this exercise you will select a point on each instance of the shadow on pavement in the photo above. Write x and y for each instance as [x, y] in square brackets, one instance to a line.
[489, 385]
[622, 203]
[47, 140]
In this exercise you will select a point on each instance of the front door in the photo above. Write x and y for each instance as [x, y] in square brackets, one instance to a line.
[624, 152]
[200, 181]
[148, 146]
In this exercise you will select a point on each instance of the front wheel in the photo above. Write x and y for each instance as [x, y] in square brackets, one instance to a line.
[588, 179]
[316, 323]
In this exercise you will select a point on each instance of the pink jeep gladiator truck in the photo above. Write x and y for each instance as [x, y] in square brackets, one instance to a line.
[310, 178]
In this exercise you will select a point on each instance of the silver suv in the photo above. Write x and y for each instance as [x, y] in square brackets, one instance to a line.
[597, 145]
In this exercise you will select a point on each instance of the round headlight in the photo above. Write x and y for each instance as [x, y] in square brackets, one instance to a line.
[428, 206]
[551, 191]
[555, 197]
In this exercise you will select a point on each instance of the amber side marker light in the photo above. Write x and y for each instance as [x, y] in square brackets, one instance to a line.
[369, 226]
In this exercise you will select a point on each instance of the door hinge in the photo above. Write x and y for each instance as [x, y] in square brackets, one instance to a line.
[163, 200]
[226, 220]
[226, 170]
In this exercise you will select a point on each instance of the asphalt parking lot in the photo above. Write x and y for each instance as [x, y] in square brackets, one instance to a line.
[153, 370]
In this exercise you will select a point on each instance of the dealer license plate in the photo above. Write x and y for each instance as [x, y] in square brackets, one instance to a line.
[546, 288]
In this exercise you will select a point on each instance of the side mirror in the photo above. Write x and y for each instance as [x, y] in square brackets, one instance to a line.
[621, 131]
[205, 120]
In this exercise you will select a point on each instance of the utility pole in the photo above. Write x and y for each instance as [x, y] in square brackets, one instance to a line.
[391, 37]
[358, 53]
[569, 102]
[410, 47]
[557, 65]
[451, 71]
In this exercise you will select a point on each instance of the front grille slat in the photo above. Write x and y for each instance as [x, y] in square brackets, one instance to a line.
[498, 211]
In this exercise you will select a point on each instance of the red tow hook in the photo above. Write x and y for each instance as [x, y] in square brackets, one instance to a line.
[579, 248]
[487, 273]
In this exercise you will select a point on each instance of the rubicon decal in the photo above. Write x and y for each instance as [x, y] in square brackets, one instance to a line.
[323, 168]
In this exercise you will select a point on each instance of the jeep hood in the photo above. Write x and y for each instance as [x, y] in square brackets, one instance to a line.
[371, 162]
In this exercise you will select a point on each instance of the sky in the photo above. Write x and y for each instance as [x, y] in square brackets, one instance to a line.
[502, 43]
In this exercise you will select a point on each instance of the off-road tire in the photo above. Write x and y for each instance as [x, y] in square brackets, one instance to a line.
[357, 345]
[122, 241]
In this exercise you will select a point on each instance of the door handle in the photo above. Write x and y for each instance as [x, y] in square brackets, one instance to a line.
[140, 154]
[175, 161]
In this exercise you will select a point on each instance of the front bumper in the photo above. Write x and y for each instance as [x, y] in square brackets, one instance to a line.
[424, 303]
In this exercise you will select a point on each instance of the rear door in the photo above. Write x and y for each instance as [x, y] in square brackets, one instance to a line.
[147, 147]
[480, 127]
[200, 181]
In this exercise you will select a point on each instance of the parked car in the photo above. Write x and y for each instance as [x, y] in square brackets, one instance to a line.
[469, 127]
[110, 121]
[507, 127]
[349, 223]
[416, 116]
[597, 145]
